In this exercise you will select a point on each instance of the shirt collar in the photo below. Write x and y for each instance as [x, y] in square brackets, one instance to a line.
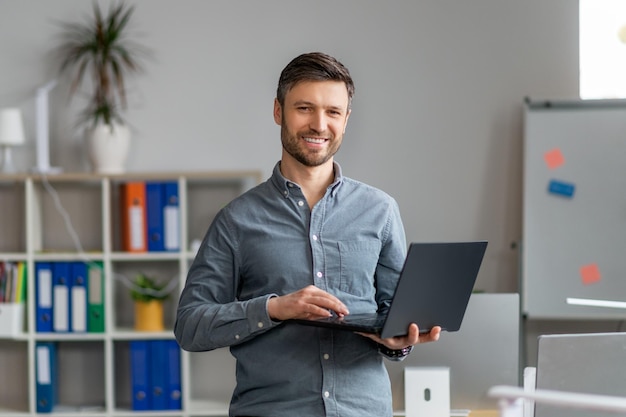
[285, 185]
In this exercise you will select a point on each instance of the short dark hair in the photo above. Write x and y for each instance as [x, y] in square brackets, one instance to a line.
[313, 66]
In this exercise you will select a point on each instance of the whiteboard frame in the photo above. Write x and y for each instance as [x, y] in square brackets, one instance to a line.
[563, 234]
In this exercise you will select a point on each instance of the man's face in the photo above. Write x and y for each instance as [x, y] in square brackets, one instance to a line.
[313, 120]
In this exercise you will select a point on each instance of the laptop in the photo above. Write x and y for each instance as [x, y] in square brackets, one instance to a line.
[434, 289]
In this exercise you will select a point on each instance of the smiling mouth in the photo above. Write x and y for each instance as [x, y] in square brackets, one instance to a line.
[314, 140]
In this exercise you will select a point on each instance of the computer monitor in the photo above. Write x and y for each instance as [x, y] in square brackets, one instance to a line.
[592, 363]
[483, 353]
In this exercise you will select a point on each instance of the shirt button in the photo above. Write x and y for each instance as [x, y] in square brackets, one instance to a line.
[326, 394]
[314, 237]
[319, 274]
[237, 336]
[260, 324]
[290, 185]
[326, 356]
[300, 203]
[285, 192]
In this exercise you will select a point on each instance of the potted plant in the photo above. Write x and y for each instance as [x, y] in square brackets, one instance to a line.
[99, 50]
[148, 296]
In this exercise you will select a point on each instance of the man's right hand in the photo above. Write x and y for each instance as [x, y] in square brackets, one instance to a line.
[308, 303]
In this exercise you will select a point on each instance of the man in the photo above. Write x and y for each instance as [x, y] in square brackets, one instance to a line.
[305, 243]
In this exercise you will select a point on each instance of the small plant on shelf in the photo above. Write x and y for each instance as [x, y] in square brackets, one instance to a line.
[146, 289]
[148, 296]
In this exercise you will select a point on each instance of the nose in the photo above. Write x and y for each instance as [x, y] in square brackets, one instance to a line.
[318, 122]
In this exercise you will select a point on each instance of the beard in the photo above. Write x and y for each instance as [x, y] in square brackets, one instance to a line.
[292, 144]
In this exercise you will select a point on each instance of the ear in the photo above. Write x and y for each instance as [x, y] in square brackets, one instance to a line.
[278, 113]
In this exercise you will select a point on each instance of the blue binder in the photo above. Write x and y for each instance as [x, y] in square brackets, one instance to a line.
[158, 366]
[46, 380]
[61, 302]
[173, 375]
[140, 375]
[171, 216]
[43, 289]
[154, 213]
[78, 297]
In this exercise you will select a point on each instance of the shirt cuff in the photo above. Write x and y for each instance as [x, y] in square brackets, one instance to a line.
[267, 312]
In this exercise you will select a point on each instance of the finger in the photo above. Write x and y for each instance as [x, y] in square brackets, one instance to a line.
[323, 299]
[330, 304]
[313, 311]
[413, 335]
[295, 306]
[412, 338]
[432, 336]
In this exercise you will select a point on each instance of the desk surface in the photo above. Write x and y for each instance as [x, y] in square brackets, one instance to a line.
[484, 413]
[475, 413]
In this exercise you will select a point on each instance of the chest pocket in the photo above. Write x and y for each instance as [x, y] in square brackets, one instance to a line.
[357, 265]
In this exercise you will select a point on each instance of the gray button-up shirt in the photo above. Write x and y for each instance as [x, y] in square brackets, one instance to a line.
[268, 242]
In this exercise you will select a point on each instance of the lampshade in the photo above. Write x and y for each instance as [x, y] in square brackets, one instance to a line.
[11, 127]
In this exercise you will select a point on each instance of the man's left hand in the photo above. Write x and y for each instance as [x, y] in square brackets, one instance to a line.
[412, 338]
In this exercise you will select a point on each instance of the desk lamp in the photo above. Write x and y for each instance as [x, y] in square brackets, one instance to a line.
[11, 134]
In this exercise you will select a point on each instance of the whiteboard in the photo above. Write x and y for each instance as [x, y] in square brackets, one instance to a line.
[574, 221]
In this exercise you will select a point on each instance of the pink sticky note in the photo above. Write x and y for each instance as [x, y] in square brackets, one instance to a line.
[554, 158]
[590, 274]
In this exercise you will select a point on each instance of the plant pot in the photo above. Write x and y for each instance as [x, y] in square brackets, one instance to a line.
[108, 148]
[149, 316]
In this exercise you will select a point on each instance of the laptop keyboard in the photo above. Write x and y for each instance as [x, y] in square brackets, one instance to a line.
[362, 320]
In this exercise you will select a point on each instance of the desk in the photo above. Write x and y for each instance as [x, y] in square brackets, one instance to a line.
[484, 413]
[475, 413]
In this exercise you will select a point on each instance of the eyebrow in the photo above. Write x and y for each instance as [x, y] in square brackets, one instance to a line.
[309, 103]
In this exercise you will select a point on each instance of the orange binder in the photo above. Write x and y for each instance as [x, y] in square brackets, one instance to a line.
[133, 218]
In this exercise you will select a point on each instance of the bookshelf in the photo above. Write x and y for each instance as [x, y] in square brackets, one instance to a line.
[93, 369]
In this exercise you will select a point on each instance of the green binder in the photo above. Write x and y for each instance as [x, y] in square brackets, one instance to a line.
[95, 298]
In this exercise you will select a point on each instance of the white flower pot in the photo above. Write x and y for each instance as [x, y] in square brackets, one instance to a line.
[108, 148]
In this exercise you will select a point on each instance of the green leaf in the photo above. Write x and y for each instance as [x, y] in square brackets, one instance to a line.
[99, 49]
[146, 289]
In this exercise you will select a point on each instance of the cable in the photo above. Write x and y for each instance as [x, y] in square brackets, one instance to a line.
[66, 218]
[163, 292]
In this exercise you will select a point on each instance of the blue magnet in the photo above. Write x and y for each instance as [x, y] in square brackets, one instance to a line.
[561, 188]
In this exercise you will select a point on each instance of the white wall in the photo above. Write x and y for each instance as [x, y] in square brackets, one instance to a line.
[437, 116]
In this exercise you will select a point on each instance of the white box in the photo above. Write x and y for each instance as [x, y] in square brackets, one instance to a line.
[11, 319]
[427, 391]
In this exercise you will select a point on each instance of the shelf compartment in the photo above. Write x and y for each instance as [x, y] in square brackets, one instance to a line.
[165, 272]
[14, 376]
[148, 206]
[204, 201]
[80, 377]
[153, 365]
[12, 217]
[63, 211]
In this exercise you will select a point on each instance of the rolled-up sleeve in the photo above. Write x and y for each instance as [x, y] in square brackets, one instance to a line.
[209, 315]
